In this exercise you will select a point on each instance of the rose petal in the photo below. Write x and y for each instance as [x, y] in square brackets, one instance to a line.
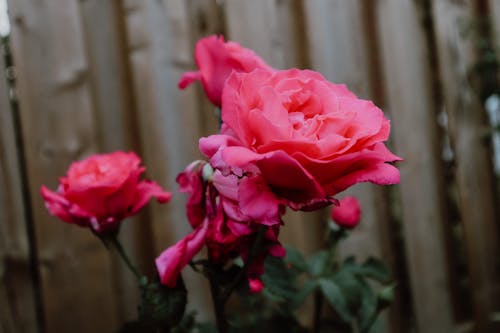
[188, 78]
[60, 207]
[171, 261]
[258, 202]
[145, 191]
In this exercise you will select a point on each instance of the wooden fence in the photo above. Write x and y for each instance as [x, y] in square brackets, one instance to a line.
[100, 75]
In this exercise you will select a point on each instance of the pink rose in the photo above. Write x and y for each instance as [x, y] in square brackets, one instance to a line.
[216, 60]
[102, 190]
[226, 212]
[348, 212]
[309, 139]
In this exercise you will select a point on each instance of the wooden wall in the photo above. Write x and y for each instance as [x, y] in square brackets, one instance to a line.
[100, 75]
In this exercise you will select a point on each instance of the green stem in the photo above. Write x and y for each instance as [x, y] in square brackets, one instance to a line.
[253, 252]
[219, 305]
[318, 306]
[121, 251]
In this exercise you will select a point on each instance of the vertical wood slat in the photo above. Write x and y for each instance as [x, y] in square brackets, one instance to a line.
[17, 293]
[58, 128]
[343, 57]
[472, 155]
[408, 84]
[167, 119]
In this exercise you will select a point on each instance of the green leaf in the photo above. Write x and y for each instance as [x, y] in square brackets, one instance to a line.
[385, 296]
[279, 281]
[162, 307]
[306, 290]
[206, 328]
[495, 317]
[319, 263]
[295, 258]
[375, 269]
[367, 313]
[350, 286]
[335, 298]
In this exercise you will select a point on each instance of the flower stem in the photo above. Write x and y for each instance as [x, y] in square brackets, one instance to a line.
[219, 305]
[318, 306]
[121, 251]
[241, 275]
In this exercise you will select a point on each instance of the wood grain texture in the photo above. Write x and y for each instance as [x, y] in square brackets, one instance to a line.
[408, 84]
[17, 293]
[474, 173]
[59, 127]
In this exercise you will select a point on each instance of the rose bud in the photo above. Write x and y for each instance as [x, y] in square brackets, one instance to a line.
[348, 212]
[102, 190]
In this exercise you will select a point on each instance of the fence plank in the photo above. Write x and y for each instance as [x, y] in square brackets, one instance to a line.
[343, 57]
[58, 127]
[17, 294]
[408, 84]
[168, 122]
[473, 161]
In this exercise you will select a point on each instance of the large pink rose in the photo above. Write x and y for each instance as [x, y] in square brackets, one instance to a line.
[226, 213]
[102, 190]
[216, 60]
[310, 139]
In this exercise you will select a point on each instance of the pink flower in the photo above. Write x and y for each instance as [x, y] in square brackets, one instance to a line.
[348, 212]
[102, 190]
[226, 213]
[216, 60]
[255, 285]
[308, 138]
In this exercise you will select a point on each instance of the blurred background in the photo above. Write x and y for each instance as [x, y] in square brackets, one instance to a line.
[88, 76]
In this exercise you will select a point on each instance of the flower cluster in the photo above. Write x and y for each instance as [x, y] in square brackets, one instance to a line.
[289, 138]
[227, 212]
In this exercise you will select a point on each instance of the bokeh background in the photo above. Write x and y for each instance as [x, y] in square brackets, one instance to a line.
[87, 76]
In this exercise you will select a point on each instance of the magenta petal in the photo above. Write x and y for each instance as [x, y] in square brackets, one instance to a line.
[277, 250]
[146, 190]
[278, 168]
[258, 202]
[171, 261]
[60, 207]
[211, 144]
[188, 78]
[380, 174]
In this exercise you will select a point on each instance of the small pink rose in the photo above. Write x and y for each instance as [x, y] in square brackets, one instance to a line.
[216, 60]
[348, 212]
[101, 190]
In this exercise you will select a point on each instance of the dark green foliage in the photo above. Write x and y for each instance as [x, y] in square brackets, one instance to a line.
[161, 309]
